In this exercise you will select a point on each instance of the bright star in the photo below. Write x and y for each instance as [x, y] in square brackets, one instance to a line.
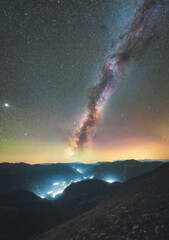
[6, 105]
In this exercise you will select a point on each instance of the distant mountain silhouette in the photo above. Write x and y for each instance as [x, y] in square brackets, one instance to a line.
[35, 178]
[122, 170]
[39, 178]
[138, 210]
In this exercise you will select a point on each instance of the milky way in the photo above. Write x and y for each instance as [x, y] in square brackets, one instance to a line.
[130, 45]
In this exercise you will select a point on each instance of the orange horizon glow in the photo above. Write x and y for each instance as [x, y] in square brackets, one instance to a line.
[42, 152]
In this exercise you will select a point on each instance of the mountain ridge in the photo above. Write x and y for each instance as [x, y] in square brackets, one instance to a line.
[130, 214]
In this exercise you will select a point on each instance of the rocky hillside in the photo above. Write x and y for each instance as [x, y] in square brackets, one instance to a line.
[138, 210]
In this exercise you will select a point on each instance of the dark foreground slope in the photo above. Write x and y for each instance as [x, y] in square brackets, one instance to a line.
[139, 210]
[23, 215]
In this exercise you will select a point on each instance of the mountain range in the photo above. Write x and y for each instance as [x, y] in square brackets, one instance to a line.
[48, 180]
[135, 208]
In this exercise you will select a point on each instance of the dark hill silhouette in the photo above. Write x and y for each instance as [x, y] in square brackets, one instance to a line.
[122, 170]
[34, 215]
[35, 178]
[87, 188]
[138, 210]
[19, 196]
[23, 215]
[40, 178]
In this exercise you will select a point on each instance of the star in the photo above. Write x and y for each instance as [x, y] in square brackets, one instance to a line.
[6, 105]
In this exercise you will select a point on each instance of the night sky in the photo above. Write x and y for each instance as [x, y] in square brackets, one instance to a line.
[52, 53]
